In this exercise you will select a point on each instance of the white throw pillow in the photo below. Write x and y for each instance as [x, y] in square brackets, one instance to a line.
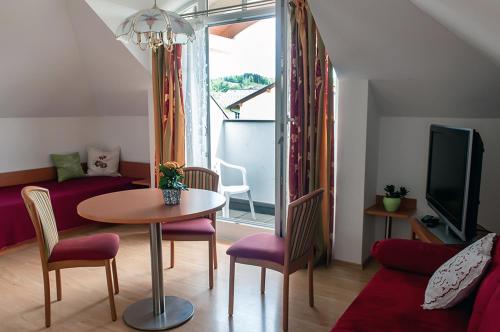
[457, 277]
[103, 163]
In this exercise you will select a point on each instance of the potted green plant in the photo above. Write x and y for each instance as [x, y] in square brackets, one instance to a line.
[392, 199]
[171, 175]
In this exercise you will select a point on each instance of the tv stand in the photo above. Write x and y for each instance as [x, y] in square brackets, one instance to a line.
[440, 234]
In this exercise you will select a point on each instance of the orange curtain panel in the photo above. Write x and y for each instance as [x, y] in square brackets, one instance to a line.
[169, 117]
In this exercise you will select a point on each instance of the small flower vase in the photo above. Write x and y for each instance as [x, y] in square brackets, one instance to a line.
[171, 196]
[391, 204]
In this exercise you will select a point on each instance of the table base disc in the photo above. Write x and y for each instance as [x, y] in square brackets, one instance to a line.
[140, 315]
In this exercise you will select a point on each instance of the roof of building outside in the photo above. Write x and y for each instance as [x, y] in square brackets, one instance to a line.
[237, 103]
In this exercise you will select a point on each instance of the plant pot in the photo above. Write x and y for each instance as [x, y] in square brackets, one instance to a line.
[391, 204]
[171, 196]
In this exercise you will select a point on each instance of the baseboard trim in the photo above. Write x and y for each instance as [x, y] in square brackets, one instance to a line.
[347, 264]
[243, 205]
[366, 262]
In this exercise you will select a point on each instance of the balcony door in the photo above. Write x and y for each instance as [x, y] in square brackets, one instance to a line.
[244, 106]
[241, 65]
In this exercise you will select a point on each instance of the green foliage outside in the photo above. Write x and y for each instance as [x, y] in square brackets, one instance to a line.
[239, 82]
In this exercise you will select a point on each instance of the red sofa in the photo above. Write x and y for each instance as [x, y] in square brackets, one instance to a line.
[15, 224]
[392, 299]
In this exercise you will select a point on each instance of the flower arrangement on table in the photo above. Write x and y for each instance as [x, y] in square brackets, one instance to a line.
[171, 176]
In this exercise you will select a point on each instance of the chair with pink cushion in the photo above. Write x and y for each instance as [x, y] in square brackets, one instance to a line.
[285, 255]
[200, 229]
[86, 251]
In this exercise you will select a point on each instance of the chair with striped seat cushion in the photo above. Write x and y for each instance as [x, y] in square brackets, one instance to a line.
[200, 229]
[283, 255]
[55, 254]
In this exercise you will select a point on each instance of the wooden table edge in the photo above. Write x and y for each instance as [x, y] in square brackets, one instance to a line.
[89, 216]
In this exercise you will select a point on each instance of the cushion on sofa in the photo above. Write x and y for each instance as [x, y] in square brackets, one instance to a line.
[487, 303]
[459, 276]
[391, 302]
[68, 166]
[103, 163]
[490, 323]
[412, 256]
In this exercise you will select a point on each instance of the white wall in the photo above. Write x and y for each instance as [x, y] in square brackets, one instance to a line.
[42, 72]
[375, 150]
[26, 143]
[351, 162]
[403, 161]
[117, 80]
[67, 64]
[371, 174]
[113, 14]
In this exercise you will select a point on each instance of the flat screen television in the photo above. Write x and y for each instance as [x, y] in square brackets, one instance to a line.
[454, 177]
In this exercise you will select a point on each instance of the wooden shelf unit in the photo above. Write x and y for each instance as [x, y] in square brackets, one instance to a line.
[407, 210]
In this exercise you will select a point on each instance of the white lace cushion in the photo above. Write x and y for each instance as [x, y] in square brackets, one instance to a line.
[103, 163]
[458, 277]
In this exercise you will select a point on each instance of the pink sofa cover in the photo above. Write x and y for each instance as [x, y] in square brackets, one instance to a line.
[15, 224]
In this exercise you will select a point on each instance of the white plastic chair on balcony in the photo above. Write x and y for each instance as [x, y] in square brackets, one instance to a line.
[227, 191]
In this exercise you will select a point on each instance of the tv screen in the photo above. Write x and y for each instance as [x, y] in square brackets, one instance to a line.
[454, 177]
[447, 175]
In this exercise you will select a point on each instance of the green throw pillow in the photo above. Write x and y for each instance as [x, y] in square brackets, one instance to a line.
[68, 166]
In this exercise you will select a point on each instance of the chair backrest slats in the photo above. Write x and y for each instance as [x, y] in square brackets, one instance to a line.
[201, 178]
[38, 203]
[302, 224]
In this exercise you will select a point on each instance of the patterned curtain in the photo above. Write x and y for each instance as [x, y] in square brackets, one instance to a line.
[311, 110]
[168, 106]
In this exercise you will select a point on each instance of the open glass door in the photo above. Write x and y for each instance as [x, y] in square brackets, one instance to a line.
[243, 121]
[241, 61]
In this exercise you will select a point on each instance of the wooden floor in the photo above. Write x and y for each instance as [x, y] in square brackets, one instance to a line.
[85, 307]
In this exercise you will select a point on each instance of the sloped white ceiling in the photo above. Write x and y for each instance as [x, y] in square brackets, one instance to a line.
[42, 71]
[415, 65]
[59, 59]
[113, 14]
[118, 82]
[478, 21]
[141, 4]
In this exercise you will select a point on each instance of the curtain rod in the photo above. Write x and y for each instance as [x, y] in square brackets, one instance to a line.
[220, 10]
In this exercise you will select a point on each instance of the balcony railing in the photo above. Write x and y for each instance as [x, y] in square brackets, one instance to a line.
[251, 144]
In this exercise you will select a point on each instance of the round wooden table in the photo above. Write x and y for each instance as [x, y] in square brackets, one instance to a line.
[146, 206]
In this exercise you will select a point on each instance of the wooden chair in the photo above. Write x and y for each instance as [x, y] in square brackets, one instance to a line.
[201, 229]
[55, 254]
[283, 255]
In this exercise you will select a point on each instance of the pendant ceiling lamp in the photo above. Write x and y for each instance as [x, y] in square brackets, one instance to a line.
[154, 27]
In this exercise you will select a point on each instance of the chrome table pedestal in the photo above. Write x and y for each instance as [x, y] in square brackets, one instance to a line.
[159, 312]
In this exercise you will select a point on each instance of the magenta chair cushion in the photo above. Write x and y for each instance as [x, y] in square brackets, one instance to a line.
[200, 226]
[92, 247]
[263, 246]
